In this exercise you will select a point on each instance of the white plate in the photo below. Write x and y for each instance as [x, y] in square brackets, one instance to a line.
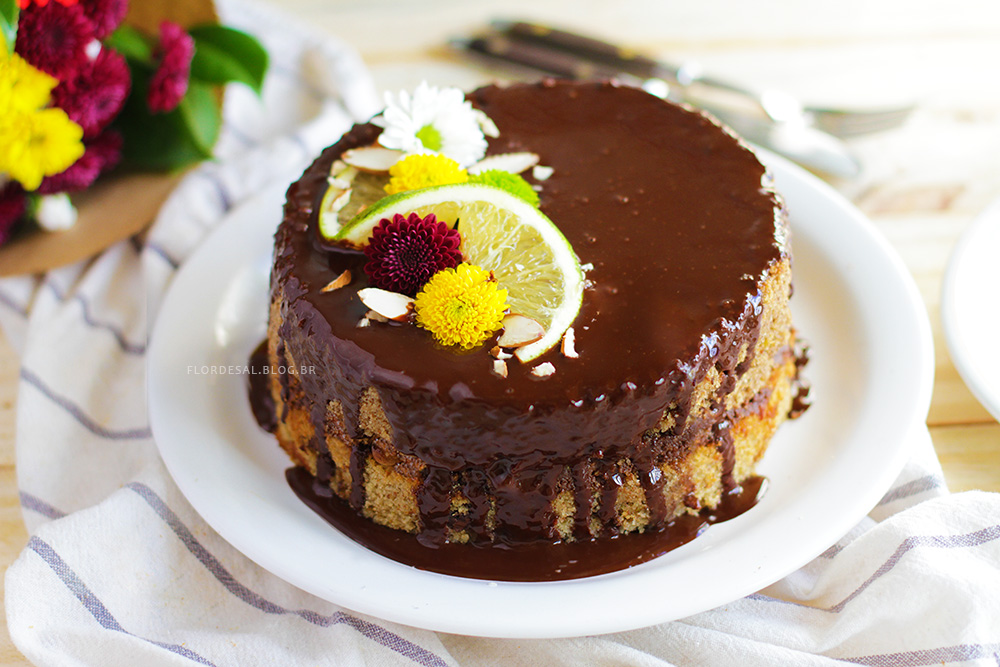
[871, 371]
[969, 308]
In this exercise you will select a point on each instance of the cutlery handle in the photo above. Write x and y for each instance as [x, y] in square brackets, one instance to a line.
[607, 54]
[528, 54]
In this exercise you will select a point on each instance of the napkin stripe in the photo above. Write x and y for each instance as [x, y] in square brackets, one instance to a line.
[93, 604]
[372, 631]
[157, 250]
[80, 416]
[965, 540]
[9, 301]
[36, 504]
[913, 488]
[934, 656]
[225, 199]
[88, 319]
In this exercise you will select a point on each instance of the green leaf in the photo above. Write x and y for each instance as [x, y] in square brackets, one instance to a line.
[9, 13]
[223, 54]
[131, 43]
[200, 111]
[168, 141]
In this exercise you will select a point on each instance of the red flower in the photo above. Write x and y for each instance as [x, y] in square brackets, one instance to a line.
[170, 81]
[12, 203]
[99, 156]
[54, 37]
[23, 4]
[403, 253]
[95, 95]
[106, 15]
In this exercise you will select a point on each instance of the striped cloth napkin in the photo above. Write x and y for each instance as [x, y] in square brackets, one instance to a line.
[119, 569]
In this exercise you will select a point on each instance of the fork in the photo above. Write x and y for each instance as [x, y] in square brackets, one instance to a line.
[688, 82]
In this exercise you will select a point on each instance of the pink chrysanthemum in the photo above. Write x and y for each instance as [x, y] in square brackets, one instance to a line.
[170, 81]
[12, 204]
[106, 15]
[54, 38]
[97, 93]
[403, 253]
[99, 156]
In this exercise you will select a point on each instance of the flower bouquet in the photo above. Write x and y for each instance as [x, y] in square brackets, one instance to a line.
[87, 86]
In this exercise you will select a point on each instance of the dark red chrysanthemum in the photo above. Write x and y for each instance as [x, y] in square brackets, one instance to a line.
[95, 95]
[170, 81]
[106, 15]
[12, 204]
[100, 155]
[403, 253]
[23, 4]
[54, 38]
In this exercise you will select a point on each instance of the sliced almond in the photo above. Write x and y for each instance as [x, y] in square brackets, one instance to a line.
[519, 331]
[364, 322]
[515, 163]
[341, 175]
[341, 201]
[541, 172]
[486, 124]
[498, 353]
[500, 367]
[544, 369]
[569, 344]
[340, 281]
[391, 305]
[372, 316]
[373, 159]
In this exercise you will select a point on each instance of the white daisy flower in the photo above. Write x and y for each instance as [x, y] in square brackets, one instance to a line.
[433, 120]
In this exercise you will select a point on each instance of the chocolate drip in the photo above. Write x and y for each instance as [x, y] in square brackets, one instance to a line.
[434, 499]
[723, 436]
[259, 390]
[474, 521]
[537, 561]
[582, 474]
[359, 458]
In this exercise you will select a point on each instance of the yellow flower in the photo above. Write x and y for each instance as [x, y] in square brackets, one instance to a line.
[461, 306]
[37, 144]
[23, 87]
[422, 171]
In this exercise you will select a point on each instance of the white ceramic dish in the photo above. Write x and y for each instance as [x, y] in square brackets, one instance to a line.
[871, 370]
[970, 308]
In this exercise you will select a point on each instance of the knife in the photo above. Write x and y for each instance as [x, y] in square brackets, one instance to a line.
[790, 137]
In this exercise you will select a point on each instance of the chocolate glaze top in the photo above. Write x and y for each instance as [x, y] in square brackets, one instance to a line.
[667, 207]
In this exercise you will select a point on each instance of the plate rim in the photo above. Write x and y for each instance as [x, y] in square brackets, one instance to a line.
[957, 343]
[888, 474]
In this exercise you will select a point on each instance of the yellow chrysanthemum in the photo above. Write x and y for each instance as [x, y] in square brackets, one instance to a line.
[461, 306]
[37, 144]
[23, 87]
[422, 171]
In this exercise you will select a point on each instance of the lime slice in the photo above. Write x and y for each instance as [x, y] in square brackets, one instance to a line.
[501, 233]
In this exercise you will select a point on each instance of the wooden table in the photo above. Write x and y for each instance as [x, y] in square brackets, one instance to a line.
[923, 183]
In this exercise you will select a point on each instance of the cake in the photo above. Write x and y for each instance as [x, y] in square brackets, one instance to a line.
[683, 361]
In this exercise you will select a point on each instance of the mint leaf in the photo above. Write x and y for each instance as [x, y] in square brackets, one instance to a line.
[223, 54]
[9, 13]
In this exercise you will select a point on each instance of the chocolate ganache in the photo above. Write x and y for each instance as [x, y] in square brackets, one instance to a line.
[685, 243]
